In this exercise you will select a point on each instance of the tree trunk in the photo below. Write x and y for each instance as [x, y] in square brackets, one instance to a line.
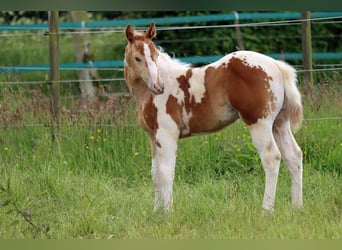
[88, 77]
[239, 37]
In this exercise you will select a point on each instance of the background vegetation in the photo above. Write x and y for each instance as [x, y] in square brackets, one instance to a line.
[94, 180]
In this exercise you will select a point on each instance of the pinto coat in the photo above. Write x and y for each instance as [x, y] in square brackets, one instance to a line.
[175, 100]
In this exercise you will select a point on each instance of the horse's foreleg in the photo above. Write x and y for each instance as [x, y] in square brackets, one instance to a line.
[266, 146]
[164, 148]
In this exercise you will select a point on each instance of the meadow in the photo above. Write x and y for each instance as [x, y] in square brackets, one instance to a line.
[93, 181]
[90, 176]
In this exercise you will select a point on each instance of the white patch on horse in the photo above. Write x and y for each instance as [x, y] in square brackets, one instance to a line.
[175, 91]
[197, 86]
[186, 118]
[151, 65]
[178, 93]
[180, 96]
[164, 119]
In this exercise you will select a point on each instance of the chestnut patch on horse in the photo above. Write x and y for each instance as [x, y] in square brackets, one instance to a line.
[202, 117]
[139, 44]
[184, 85]
[248, 88]
[149, 121]
[157, 144]
[173, 109]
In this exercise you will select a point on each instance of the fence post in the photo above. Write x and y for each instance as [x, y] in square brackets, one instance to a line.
[239, 38]
[54, 69]
[307, 50]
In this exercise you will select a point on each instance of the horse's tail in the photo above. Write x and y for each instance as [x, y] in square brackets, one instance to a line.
[294, 107]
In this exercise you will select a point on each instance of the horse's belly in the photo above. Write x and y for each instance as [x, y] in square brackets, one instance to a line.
[209, 122]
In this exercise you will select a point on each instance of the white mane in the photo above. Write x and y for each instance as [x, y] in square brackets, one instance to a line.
[171, 61]
[169, 66]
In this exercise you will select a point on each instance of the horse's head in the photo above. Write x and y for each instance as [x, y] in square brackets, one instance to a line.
[141, 57]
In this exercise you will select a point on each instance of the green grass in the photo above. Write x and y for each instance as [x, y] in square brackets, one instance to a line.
[94, 181]
[97, 206]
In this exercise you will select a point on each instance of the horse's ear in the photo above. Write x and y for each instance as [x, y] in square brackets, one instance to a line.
[129, 33]
[151, 32]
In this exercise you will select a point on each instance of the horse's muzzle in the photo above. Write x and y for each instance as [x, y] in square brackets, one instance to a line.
[157, 89]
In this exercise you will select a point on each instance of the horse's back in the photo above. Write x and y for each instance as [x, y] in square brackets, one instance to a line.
[249, 58]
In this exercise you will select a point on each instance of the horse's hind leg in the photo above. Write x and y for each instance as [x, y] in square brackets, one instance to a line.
[268, 151]
[292, 156]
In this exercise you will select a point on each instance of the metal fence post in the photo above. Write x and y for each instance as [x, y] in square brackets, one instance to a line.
[54, 69]
[307, 50]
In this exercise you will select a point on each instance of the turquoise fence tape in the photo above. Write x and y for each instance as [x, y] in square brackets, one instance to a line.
[166, 21]
[192, 59]
[171, 20]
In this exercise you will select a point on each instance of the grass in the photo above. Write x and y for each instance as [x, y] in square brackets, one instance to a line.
[94, 180]
[87, 206]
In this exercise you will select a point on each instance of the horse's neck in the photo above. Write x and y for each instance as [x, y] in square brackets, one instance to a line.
[169, 70]
[140, 90]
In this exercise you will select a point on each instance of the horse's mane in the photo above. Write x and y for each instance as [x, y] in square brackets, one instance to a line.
[172, 60]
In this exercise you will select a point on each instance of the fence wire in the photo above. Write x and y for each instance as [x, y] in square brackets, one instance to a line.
[46, 125]
[90, 30]
[319, 20]
[108, 80]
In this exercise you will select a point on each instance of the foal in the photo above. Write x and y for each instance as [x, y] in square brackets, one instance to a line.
[175, 100]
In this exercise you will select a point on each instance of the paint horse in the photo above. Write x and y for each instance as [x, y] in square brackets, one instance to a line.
[175, 100]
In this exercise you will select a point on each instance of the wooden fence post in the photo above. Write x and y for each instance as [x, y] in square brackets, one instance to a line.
[307, 51]
[54, 69]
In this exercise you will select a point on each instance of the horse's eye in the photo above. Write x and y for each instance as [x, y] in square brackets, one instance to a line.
[137, 59]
